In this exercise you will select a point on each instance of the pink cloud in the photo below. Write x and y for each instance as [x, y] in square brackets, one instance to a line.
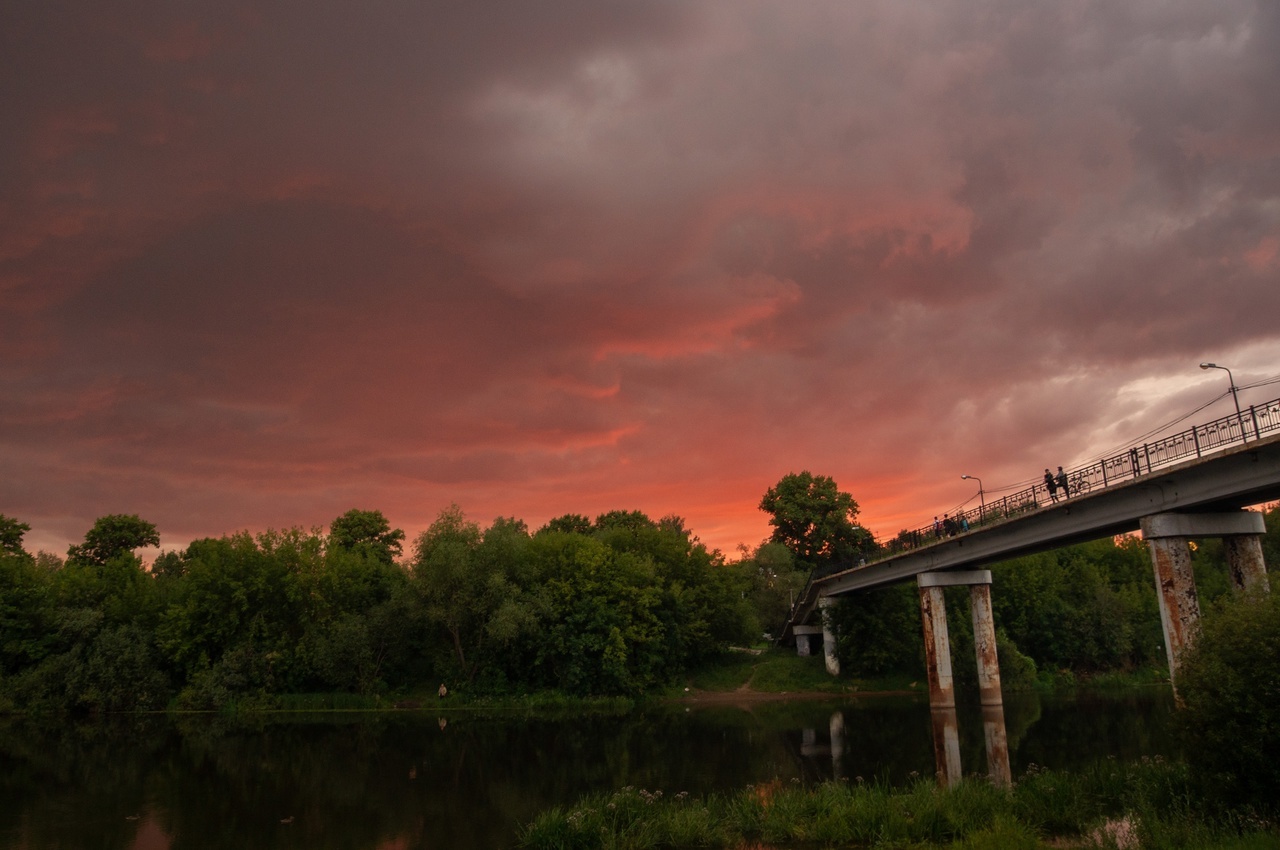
[261, 268]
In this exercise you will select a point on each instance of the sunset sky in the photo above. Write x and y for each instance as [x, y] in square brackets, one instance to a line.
[261, 263]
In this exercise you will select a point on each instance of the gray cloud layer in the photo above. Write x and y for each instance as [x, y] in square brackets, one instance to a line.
[259, 265]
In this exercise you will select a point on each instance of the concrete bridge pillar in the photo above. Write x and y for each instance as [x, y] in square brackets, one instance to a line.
[1245, 561]
[829, 636]
[937, 641]
[984, 643]
[937, 646]
[805, 634]
[1167, 536]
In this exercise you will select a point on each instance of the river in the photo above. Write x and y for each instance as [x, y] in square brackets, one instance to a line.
[466, 780]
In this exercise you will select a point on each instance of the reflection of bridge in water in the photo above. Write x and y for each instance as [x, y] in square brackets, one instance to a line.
[1194, 484]
[946, 744]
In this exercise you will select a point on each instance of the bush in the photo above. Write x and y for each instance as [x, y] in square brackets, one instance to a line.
[1229, 686]
[1017, 671]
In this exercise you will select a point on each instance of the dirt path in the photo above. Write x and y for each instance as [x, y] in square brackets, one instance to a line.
[745, 695]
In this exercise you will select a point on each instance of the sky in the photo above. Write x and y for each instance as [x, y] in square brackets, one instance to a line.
[262, 263]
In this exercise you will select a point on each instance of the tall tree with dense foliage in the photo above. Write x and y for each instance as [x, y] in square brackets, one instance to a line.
[366, 531]
[112, 535]
[460, 591]
[25, 602]
[816, 520]
[11, 533]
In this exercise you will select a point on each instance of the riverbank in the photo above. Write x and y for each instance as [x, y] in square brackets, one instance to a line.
[1149, 804]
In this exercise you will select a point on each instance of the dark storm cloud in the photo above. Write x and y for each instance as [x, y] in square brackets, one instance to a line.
[261, 262]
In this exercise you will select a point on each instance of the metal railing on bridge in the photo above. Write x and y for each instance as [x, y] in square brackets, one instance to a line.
[1253, 423]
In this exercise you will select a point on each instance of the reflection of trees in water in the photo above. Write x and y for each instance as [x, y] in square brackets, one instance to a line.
[74, 785]
[1074, 732]
[359, 781]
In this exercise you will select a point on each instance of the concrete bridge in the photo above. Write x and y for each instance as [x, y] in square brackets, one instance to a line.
[1172, 491]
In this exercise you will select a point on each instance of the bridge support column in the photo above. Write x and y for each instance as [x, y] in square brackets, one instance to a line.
[937, 641]
[984, 643]
[804, 637]
[1167, 536]
[1245, 561]
[937, 647]
[829, 637]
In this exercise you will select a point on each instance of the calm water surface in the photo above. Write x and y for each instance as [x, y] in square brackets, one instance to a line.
[464, 781]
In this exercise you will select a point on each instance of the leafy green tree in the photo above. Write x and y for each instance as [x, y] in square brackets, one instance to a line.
[11, 532]
[569, 523]
[602, 633]
[240, 613]
[366, 531]
[878, 631]
[775, 583]
[461, 592]
[26, 612]
[112, 535]
[1084, 608]
[813, 518]
[1229, 686]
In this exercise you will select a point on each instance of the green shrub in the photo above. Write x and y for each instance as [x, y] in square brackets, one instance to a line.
[1229, 686]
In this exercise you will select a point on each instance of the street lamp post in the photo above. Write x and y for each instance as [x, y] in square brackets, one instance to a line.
[982, 499]
[1234, 395]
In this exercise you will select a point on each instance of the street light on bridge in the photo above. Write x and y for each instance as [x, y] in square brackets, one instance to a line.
[1234, 395]
[982, 499]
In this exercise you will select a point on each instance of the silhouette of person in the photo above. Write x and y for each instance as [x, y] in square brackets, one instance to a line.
[1062, 483]
[937, 528]
[1050, 484]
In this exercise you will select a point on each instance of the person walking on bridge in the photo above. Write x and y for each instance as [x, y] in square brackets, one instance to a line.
[1062, 483]
[1050, 484]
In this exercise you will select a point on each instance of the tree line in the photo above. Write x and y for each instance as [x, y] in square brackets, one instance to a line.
[616, 605]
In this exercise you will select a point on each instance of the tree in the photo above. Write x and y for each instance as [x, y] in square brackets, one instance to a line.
[459, 593]
[813, 518]
[11, 532]
[112, 535]
[1229, 686]
[569, 523]
[366, 531]
[775, 584]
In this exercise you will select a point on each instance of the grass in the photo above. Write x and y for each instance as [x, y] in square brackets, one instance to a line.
[779, 670]
[1146, 804]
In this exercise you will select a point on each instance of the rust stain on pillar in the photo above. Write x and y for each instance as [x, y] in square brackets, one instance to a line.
[984, 644]
[1244, 560]
[1176, 586]
[937, 647]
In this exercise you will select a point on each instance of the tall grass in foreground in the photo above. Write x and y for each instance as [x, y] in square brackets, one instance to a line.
[1111, 805]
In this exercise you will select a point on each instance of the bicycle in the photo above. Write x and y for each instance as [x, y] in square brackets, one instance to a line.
[1079, 484]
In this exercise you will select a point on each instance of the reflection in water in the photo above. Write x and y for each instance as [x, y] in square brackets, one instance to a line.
[369, 782]
[836, 728]
[993, 730]
[946, 745]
